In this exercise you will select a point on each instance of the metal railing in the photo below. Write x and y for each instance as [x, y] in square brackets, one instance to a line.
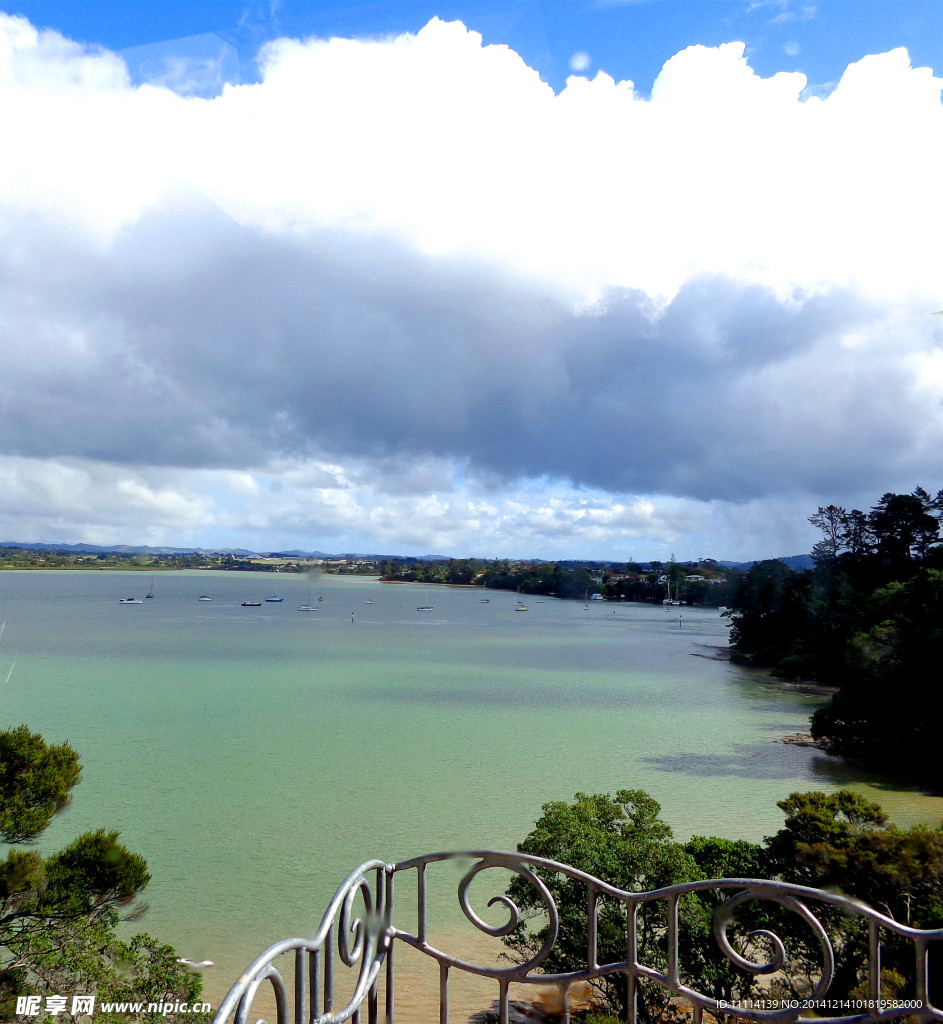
[358, 935]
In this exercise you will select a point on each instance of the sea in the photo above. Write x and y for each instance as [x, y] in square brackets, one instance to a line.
[255, 755]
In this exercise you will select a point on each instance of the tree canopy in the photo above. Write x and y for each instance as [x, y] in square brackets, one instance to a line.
[868, 618]
[837, 841]
[58, 913]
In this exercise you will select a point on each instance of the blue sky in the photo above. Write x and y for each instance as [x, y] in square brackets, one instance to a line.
[629, 39]
[435, 277]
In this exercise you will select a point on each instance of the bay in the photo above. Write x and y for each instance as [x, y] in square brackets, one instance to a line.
[255, 755]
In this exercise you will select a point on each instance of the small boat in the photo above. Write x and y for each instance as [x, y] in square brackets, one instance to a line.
[275, 599]
[130, 600]
[368, 601]
[424, 607]
[307, 606]
[251, 604]
[520, 607]
[204, 597]
[150, 593]
[320, 598]
[486, 600]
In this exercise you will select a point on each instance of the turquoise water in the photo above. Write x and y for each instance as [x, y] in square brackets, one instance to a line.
[255, 755]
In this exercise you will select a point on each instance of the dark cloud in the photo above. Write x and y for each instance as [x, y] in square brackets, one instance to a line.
[193, 342]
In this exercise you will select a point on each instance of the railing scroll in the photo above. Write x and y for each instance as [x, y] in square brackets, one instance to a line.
[790, 916]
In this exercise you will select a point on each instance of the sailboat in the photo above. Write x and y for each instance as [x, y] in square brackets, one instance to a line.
[425, 607]
[275, 599]
[307, 606]
[150, 593]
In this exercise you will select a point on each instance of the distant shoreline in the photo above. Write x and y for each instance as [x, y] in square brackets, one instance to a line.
[421, 583]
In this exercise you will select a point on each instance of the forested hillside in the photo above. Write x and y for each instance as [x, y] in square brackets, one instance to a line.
[868, 618]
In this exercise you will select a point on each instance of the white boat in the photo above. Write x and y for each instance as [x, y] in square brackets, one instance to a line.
[521, 607]
[307, 606]
[130, 600]
[150, 593]
[204, 597]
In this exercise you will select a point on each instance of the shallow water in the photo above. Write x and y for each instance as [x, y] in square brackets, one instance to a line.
[255, 755]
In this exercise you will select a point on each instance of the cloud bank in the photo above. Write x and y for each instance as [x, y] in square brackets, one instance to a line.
[400, 294]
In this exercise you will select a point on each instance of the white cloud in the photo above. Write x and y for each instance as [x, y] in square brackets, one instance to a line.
[421, 291]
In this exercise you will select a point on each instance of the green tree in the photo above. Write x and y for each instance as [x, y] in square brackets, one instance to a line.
[35, 782]
[623, 841]
[58, 913]
[842, 842]
[904, 525]
[876, 715]
[836, 841]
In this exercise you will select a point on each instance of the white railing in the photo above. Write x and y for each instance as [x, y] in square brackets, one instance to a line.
[635, 950]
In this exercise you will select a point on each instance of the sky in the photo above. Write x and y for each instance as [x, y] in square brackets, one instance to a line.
[572, 279]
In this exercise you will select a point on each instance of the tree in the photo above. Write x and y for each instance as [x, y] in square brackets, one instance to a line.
[623, 841]
[856, 537]
[876, 715]
[904, 525]
[58, 913]
[832, 521]
[837, 841]
[35, 783]
[841, 841]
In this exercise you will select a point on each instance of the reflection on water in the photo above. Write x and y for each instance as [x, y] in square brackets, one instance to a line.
[255, 755]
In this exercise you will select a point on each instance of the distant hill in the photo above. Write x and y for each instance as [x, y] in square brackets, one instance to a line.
[793, 561]
[132, 550]
[122, 549]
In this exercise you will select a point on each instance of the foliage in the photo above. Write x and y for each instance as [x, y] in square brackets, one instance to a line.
[35, 781]
[614, 581]
[58, 913]
[868, 619]
[837, 841]
[622, 840]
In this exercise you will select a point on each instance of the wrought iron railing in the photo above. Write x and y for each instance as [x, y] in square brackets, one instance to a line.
[359, 933]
